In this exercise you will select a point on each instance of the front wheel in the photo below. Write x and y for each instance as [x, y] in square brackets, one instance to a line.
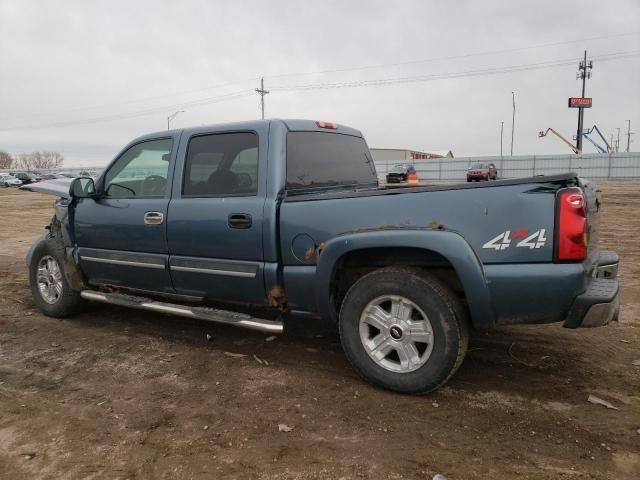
[403, 330]
[51, 292]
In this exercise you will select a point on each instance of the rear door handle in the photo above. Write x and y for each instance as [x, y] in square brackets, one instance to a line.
[153, 218]
[239, 220]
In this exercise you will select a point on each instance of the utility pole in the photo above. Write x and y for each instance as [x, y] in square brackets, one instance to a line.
[618, 141]
[584, 72]
[501, 131]
[513, 119]
[262, 92]
[629, 133]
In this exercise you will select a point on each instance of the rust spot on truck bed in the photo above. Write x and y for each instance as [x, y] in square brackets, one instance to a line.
[310, 253]
[379, 228]
[435, 225]
[313, 253]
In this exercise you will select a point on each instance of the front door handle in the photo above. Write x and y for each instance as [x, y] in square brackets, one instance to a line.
[239, 220]
[153, 218]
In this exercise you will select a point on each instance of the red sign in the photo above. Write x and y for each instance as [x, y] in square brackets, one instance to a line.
[580, 102]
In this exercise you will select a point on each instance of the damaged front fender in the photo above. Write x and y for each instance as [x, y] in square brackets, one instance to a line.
[60, 231]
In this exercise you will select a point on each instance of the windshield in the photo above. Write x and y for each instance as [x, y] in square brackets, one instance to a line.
[319, 159]
[479, 165]
[398, 169]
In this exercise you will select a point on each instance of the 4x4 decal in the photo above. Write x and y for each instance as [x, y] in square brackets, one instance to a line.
[505, 239]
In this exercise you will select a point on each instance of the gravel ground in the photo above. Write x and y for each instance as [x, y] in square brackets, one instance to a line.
[114, 393]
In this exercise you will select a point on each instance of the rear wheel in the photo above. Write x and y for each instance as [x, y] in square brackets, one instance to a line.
[51, 292]
[403, 330]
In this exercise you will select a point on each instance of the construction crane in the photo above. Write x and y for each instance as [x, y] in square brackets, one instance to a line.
[601, 149]
[543, 133]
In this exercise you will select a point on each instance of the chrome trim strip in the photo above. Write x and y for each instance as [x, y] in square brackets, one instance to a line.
[203, 313]
[229, 273]
[122, 262]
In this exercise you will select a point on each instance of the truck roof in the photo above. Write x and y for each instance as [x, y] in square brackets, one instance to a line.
[294, 125]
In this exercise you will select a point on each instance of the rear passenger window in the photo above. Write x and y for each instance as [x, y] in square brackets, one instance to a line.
[222, 164]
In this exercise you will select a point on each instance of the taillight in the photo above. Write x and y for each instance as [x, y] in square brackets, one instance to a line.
[329, 125]
[571, 235]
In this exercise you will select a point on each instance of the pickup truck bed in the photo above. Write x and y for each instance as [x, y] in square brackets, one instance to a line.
[423, 215]
[284, 218]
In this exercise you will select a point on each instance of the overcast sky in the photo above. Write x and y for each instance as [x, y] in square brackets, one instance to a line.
[97, 74]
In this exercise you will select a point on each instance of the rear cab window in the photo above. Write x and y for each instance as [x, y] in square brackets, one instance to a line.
[325, 160]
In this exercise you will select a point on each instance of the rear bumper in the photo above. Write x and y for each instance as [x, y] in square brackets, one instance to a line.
[599, 304]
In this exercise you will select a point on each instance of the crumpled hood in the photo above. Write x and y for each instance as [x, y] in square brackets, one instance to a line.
[59, 187]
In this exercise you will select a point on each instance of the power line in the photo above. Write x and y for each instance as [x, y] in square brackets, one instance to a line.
[449, 75]
[336, 70]
[360, 83]
[140, 100]
[453, 57]
[140, 113]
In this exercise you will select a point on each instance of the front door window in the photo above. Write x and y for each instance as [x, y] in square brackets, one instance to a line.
[141, 171]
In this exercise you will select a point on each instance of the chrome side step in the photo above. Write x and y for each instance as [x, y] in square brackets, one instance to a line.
[202, 313]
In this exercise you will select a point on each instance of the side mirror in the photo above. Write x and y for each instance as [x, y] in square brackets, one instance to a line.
[82, 187]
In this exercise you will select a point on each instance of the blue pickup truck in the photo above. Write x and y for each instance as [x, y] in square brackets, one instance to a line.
[253, 223]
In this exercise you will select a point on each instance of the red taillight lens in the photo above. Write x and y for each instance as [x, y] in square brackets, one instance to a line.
[571, 239]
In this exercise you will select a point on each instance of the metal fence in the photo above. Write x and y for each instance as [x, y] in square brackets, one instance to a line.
[590, 166]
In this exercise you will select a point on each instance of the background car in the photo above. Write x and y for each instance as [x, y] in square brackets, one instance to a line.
[482, 171]
[7, 180]
[49, 176]
[25, 177]
[52, 176]
[400, 173]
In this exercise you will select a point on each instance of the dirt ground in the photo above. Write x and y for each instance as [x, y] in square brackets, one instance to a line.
[114, 393]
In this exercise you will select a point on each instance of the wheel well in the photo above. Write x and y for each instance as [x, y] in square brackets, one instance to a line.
[353, 265]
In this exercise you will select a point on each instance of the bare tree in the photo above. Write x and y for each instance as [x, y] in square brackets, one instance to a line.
[22, 161]
[49, 160]
[6, 160]
[39, 160]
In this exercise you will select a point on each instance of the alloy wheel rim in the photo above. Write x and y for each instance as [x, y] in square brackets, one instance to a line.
[49, 279]
[396, 334]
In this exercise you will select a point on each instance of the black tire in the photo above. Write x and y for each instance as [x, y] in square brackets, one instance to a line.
[445, 314]
[68, 301]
